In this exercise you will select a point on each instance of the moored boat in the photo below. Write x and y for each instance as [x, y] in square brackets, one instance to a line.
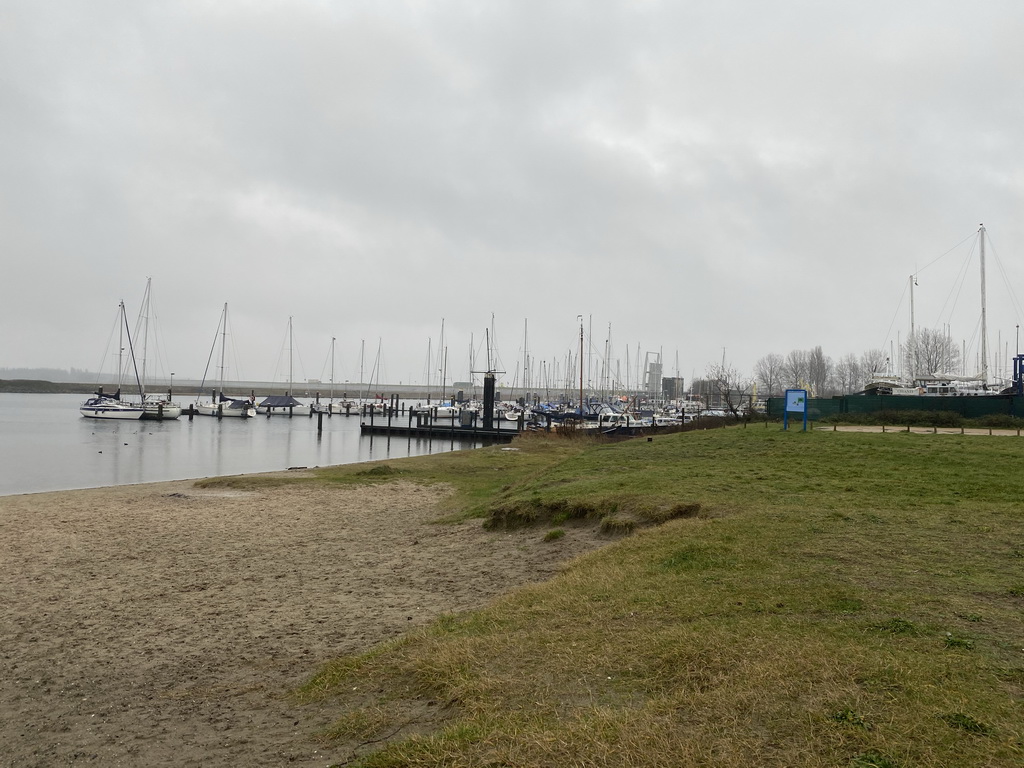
[283, 404]
[102, 406]
[107, 407]
[158, 408]
[286, 403]
[224, 406]
[220, 405]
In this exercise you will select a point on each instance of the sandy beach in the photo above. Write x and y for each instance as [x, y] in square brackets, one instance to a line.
[163, 624]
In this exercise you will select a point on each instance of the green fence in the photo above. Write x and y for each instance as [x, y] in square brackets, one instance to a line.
[967, 406]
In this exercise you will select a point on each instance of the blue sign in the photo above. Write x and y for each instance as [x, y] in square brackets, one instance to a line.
[796, 402]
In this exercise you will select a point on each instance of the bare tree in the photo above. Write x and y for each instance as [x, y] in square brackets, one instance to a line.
[819, 371]
[848, 374]
[873, 361]
[795, 370]
[768, 373]
[930, 352]
[726, 383]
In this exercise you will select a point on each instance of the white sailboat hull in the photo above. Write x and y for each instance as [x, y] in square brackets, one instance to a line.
[221, 409]
[104, 408]
[291, 410]
[161, 410]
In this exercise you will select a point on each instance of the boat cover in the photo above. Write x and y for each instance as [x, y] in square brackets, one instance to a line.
[280, 401]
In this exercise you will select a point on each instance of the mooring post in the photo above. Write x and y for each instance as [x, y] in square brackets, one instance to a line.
[319, 421]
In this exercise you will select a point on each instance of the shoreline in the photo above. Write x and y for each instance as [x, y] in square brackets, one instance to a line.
[160, 623]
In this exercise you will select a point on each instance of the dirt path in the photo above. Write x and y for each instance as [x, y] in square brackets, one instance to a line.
[921, 430]
[161, 624]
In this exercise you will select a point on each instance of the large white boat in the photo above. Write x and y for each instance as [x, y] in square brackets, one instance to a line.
[889, 384]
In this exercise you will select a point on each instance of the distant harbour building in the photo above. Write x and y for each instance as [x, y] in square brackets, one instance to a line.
[673, 388]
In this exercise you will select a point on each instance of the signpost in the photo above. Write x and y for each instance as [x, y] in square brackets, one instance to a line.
[796, 402]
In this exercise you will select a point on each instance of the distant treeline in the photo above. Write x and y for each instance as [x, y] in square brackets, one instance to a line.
[63, 375]
[41, 386]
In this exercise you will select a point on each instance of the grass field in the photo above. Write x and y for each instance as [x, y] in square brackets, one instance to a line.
[782, 599]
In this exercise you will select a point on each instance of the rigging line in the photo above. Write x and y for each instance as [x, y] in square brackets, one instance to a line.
[930, 263]
[234, 350]
[899, 306]
[302, 368]
[957, 287]
[970, 343]
[1006, 281]
[213, 347]
[280, 357]
[327, 360]
[110, 341]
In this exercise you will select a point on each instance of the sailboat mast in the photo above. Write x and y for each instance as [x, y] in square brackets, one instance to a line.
[131, 351]
[145, 327]
[526, 357]
[120, 349]
[333, 340]
[984, 323]
[289, 355]
[912, 340]
[223, 343]
[581, 367]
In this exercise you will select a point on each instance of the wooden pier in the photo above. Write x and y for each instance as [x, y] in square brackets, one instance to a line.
[424, 423]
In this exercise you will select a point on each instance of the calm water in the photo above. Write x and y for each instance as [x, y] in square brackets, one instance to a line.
[46, 445]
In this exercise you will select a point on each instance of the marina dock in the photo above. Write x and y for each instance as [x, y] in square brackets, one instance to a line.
[470, 426]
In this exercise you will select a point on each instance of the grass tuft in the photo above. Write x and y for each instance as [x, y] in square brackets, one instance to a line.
[381, 470]
[964, 722]
[896, 626]
[617, 525]
[849, 717]
[959, 642]
[873, 759]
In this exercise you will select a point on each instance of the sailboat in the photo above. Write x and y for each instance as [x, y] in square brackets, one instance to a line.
[342, 406]
[103, 406]
[221, 405]
[154, 407]
[285, 403]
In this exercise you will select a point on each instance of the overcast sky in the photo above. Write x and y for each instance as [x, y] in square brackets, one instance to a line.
[699, 177]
